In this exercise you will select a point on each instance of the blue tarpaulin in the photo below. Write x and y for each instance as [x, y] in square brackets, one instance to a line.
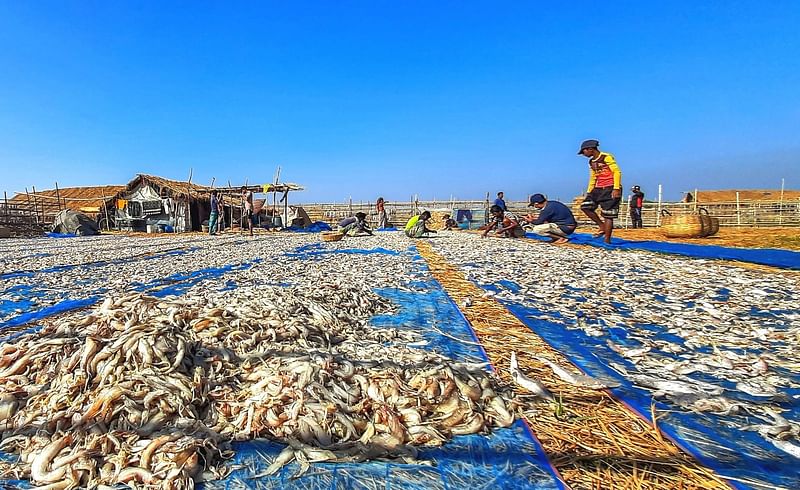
[745, 457]
[786, 259]
[508, 458]
[314, 227]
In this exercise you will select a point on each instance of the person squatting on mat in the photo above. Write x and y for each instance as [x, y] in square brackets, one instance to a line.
[355, 225]
[449, 223]
[555, 220]
[605, 188]
[506, 222]
[415, 228]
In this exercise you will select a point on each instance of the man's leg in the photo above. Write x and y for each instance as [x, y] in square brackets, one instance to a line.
[608, 224]
[212, 224]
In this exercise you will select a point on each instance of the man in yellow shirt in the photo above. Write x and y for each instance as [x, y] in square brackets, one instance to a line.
[415, 228]
[605, 188]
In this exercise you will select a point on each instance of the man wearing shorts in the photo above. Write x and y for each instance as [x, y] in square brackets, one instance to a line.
[605, 188]
[555, 220]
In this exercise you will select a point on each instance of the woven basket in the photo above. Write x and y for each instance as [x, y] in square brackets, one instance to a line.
[710, 223]
[684, 226]
[331, 236]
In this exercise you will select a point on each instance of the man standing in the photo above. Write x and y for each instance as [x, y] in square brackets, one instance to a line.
[380, 207]
[216, 210]
[500, 202]
[635, 204]
[507, 224]
[605, 188]
[555, 220]
[247, 209]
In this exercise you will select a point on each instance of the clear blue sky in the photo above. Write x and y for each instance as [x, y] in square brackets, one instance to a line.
[393, 98]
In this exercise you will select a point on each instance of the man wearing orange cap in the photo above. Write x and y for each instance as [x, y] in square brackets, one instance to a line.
[605, 188]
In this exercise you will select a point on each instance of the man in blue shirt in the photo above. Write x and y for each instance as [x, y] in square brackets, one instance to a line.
[500, 202]
[555, 220]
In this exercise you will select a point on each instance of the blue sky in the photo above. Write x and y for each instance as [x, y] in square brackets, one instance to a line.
[398, 98]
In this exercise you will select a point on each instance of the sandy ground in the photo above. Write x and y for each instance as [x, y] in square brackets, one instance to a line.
[788, 238]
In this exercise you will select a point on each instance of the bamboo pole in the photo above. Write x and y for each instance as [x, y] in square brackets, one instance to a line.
[189, 198]
[738, 210]
[29, 202]
[36, 207]
[105, 208]
[658, 213]
[780, 206]
[58, 198]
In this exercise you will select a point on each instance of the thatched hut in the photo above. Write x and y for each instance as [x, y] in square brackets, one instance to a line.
[152, 203]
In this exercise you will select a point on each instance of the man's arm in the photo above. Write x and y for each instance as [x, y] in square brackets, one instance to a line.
[612, 165]
[489, 228]
[511, 226]
[592, 178]
[545, 216]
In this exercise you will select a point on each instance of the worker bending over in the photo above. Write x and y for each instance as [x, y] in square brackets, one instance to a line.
[355, 225]
[555, 220]
[506, 222]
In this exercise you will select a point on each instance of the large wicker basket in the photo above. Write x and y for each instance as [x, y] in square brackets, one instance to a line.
[711, 223]
[331, 236]
[683, 226]
[696, 225]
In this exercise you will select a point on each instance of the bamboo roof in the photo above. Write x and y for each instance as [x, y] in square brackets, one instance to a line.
[84, 199]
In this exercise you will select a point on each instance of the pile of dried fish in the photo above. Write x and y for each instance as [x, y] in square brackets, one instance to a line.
[149, 391]
[704, 336]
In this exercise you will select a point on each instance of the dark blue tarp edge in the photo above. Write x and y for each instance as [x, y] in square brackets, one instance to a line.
[773, 257]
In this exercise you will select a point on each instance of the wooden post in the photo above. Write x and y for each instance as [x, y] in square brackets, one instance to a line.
[738, 211]
[695, 199]
[58, 197]
[29, 202]
[658, 211]
[5, 198]
[105, 208]
[36, 206]
[189, 198]
[627, 214]
[780, 209]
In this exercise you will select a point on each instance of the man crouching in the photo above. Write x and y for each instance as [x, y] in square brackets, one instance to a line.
[506, 222]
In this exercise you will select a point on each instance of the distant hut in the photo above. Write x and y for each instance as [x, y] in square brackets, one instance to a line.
[89, 200]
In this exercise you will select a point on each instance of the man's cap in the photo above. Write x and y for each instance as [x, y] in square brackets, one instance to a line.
[635, 188]
[536, 199]
[588, 144]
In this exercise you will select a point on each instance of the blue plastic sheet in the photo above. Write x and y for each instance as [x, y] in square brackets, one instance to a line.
[315, 249]
[60, 235]
[314, 227]
[786, 259]
[739, 455]
[62, 307]
[508, 458]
